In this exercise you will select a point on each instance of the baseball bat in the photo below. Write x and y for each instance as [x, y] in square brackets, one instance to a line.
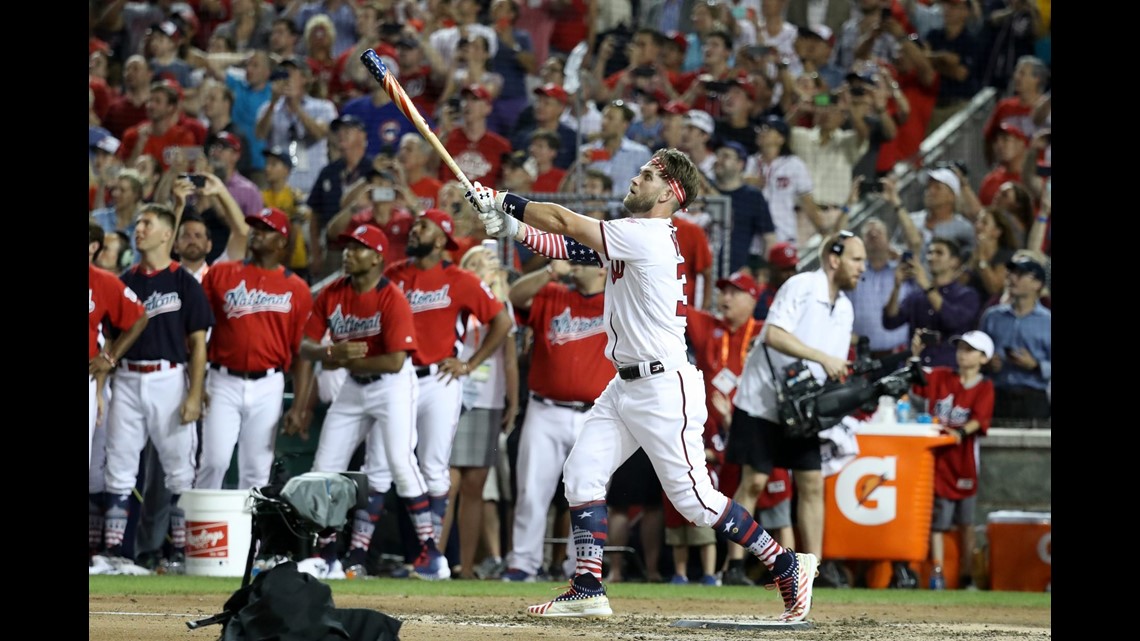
[380, 72]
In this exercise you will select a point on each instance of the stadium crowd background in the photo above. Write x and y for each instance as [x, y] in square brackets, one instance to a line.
[797, 110]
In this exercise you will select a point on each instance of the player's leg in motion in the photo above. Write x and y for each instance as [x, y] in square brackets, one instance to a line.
[262, 405]
[220, 426]
[547, 436]
[437, 418]
[175, 443]
[666, 414]
[604, 444]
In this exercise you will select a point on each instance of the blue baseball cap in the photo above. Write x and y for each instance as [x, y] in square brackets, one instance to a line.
[737, 147]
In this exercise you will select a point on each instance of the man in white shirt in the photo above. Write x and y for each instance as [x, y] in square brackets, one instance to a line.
[811, 319]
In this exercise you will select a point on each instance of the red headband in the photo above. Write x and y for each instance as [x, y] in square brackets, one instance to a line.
[678, 190]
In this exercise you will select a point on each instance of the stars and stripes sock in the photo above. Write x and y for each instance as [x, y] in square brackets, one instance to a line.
[115, 521]
[738, 525]
[438, 510]
[95, 508]
[364, 522]
[419, 509]
[178, 526]
[589, 525]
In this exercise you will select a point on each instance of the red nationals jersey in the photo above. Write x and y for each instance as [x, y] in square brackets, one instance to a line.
[569, 360]
[694, 246]
[108, 298]
[176, 136]
[717, 348]
[480, 160]
[380, 316]
[442, 298]
[259, 315]
[956, 466]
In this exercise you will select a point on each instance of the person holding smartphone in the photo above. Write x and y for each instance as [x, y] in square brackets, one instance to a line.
[941, 304]
[382, 211]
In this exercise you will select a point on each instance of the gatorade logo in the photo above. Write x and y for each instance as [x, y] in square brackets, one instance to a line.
[207, 539]
[862, 493]
[1045, 548]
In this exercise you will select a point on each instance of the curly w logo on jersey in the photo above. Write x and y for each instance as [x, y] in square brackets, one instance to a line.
[565, 328]
[347, 327]
[435, 299]
[162, 303]
[240, 301]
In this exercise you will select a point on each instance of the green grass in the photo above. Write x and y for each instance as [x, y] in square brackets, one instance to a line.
[131, 585]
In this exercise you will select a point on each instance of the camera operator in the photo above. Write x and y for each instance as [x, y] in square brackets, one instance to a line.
[811, 318]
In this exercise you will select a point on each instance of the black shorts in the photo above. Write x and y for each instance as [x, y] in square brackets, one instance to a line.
[761, 445]
[635, 483]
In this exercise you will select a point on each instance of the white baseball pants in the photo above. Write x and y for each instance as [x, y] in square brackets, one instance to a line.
[147, 405]
[665, 415]
[92, 414]
[436, 421]
[245, 413]
[548, 435]
[384, 413]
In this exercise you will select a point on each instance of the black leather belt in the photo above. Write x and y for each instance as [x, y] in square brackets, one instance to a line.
[577, 406]
[248, 376]
[365, 379]
[426, 370]
[631, 372]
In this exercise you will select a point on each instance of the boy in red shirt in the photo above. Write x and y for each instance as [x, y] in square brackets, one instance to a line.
[963, 403]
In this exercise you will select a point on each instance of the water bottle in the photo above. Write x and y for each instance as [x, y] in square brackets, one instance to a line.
[887, 414]
[924, 418]
[903, 409]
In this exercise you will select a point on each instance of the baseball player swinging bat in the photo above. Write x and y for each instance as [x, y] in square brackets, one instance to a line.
[380, 72]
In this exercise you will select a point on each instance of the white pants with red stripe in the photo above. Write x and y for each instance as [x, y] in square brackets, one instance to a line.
[148, 405]
[548, 435]
[437, 419]
[665, 415]
[243, 413]
[383, 413]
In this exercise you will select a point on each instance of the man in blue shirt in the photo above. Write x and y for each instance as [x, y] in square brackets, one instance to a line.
[954, 54]
[383, 121]
[750, 215]
[251, 91]
[1022, 329]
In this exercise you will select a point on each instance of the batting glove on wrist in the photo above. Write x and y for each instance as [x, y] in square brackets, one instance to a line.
[499, 224]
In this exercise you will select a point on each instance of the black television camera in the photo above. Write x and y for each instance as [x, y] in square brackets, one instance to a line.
[806, 407]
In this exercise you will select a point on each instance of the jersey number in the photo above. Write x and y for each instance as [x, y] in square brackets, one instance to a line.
[682, 305]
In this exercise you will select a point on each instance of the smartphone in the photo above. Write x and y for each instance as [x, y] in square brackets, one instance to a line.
[930, 336]
[758, 51]
[383, 194]
[1009, 351]
[644, 71]
[198, 180]
[907, 256]
[822, 100]
[870, 187]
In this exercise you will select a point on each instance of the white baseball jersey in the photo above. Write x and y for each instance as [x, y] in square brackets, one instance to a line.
[645, 299]
[786, 179]
[802, 307]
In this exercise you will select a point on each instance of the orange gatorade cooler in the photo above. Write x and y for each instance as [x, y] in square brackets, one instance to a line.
[878, 507]
[1021, 550]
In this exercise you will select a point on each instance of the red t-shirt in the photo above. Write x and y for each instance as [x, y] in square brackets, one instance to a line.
[103, 95]
[569, 26]
[108, 298]
[694, 246]
[380, 317]
[1010, 110]
[993, 181]
[549, 182]
[569, 361]
[442, 298]
[481, 160]
[122, 114]
[260, 315]
[176, 136]
[956, 466]
[912, 132]
[195, 126]
[427, 188]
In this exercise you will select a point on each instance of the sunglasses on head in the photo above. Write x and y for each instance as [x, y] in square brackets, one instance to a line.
[837, 247]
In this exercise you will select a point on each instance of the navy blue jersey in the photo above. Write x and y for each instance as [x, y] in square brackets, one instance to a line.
[176, 306]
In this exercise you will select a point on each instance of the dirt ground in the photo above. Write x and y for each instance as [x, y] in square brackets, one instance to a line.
[164, 617]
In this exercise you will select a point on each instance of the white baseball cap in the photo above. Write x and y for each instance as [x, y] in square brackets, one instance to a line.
[701, 120]
[946, 177]
[979, 340]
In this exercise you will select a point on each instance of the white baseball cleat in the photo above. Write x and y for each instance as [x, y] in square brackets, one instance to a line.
[795, 587]
[585, 598]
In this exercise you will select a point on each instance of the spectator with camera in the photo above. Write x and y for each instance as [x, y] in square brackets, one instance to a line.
[736, 123]
[382, 212]
[705, 90]
[962, 401]
[814, 45]
[940, 306]
[1022, 330]
[830, 152]
[798, 329]
[910, 71]
[939, 217]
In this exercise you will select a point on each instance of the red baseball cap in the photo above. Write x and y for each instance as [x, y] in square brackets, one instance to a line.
[229, 140]
[554, 91]
[479, 91]
[676, 107]
[443, 220]
[370, 236]
[741, 281]
[276, 219]
[680, 39]
[783, 255]
[1013, 130]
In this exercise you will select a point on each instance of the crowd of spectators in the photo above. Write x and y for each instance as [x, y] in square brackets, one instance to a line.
[796, 110]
